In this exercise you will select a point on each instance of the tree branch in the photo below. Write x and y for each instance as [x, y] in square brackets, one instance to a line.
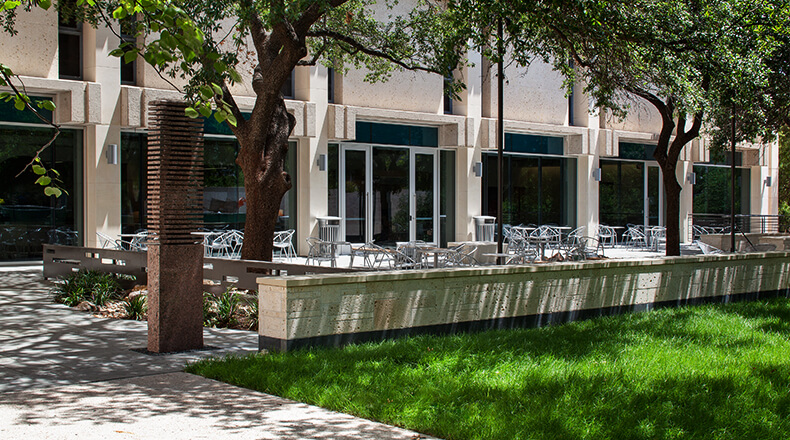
[372, 52]
[38, 115]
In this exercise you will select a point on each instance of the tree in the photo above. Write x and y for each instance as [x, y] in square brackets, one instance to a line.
[692, 60]
[204, 43]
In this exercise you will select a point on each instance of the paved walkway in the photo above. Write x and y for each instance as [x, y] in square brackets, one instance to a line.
[67, 374]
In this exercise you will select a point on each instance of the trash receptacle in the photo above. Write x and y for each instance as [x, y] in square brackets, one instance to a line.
[484, 227]
[329, 228]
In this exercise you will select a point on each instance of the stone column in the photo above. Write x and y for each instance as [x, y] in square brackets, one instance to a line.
[175, 208]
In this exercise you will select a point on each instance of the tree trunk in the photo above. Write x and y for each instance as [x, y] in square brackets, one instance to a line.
[261, 158]
[672, 215]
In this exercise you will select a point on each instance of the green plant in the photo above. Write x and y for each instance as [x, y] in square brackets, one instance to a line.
[136, 307]
[713, 372]
[252, 312]
[93, 286]
[221, 310]
[104, 289]
[227, 306]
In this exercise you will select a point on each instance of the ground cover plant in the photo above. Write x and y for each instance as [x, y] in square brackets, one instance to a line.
[713, 372]
[101, 294]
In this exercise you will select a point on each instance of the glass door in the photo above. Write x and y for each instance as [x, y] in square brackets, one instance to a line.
[391, 215]
[355, 193]
[389, 194]
[424, 196]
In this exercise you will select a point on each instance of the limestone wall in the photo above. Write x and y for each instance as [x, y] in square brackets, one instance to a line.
[337, 309]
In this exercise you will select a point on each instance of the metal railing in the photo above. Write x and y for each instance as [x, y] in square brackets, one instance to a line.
[745, 223]
[64, 260]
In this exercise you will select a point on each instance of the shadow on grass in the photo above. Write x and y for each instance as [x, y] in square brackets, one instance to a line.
[715, 371]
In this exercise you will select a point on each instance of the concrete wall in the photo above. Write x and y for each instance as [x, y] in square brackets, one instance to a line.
[336, 309]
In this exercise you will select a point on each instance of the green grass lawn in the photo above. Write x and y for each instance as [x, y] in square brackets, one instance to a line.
[708, 372]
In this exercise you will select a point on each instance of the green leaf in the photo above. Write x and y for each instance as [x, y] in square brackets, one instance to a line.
[119, 13]
[45, 4]
[231, 119]
[44, 180]
[19, 104]
[128, 57]
[217, 89]
[46, 105]
[191, 112]
[38, 169]
[52, 191]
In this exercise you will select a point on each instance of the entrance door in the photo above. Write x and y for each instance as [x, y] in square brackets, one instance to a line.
[390, 194]
[355, 193]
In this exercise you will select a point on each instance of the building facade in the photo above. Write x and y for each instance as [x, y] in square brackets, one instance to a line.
[395, 161]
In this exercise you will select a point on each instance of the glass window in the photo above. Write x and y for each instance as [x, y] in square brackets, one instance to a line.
[224, 202]
[333, 173]
[446, 196]
[29, 218]
[636, 151]
[287, 89]
[330, 85]
[621, 193]
[134, 166]
[537, 190]
[526, 143]
[448, 97]
[128, 70]
[712, 190]
[393, 134]
[69, 47]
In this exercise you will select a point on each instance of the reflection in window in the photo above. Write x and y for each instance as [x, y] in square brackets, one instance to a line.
[621, 193]
[333, 173]
[128, 70]
[134, 165]
[390, 195]
[713, 186]
[69, 46]
[224, 202]
[287, 89]
[537, 190]
[446, 196]
[29, 218]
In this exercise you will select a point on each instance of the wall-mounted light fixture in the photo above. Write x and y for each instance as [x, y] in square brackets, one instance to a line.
[768, 181]
[321, 162]
[691, 178]
[112, 154]
[596, 174]
[478, 169]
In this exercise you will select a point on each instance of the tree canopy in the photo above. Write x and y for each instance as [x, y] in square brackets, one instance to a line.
[694, 61]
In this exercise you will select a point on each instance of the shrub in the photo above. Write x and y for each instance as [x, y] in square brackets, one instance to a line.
[93, 286]
[252, 313]
[221, 310]
[136, 307]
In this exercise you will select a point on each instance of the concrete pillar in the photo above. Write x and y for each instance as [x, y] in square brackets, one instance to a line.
[682, 171]
[311, 184]
[102, 181]
[587, 194]
[469, 188]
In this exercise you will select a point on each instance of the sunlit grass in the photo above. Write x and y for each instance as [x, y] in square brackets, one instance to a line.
[712, 372]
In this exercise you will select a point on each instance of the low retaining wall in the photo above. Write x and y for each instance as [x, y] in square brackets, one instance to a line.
[339, 309]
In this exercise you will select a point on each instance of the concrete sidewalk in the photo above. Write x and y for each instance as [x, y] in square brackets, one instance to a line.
[67, 374]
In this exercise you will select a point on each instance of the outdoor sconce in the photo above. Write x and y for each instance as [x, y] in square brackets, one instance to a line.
[768, 181]
[596, 174]
[112, 154]
[478, 169]
[691, 178]
[321, 162]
